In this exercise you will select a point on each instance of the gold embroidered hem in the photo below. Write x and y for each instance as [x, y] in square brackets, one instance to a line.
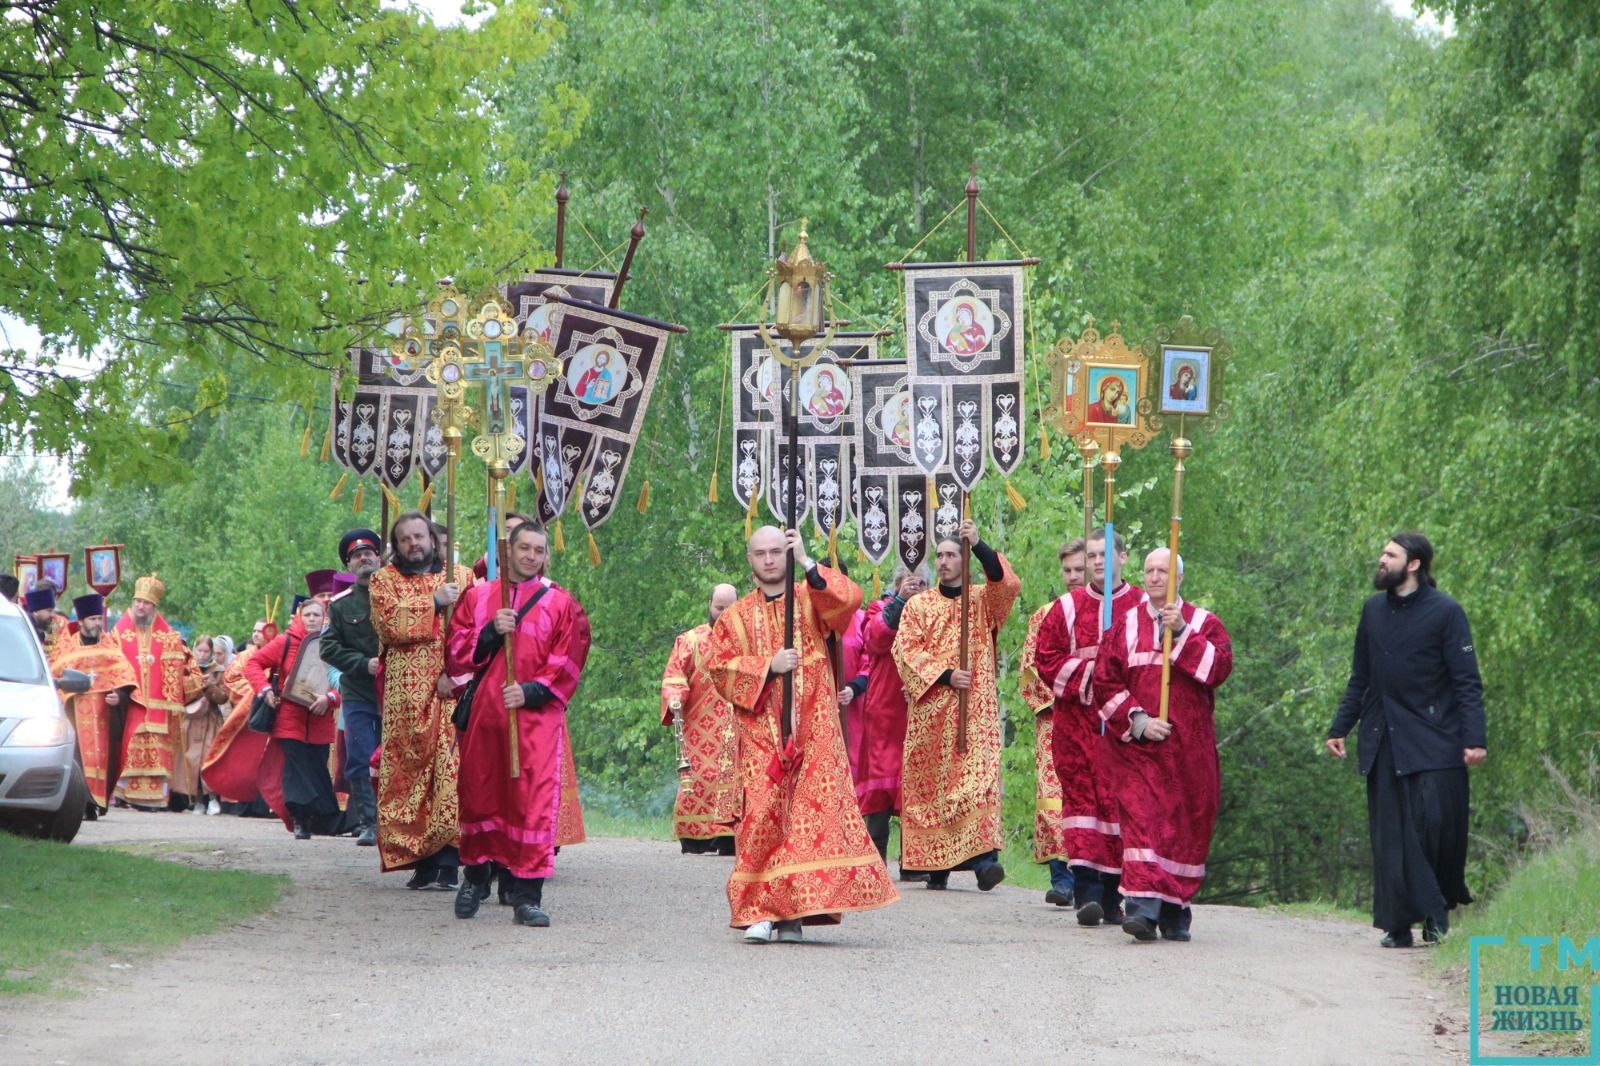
[1048, 842]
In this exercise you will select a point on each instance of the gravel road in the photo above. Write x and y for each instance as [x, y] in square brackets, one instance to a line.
[640, 967]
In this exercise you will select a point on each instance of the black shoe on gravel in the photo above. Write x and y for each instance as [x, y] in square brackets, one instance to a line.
[530, 914]
[1090, 913]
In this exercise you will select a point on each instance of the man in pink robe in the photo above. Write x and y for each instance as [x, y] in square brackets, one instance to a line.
[505, 820]
[1066, 651]
[1166, 777]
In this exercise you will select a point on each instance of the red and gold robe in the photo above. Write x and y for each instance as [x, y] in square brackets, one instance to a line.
[803, 850]
[950, 800]
[1167, 791]
[232, 767]
[166, 678]
[109, 670]
[509, 820]
[709, 796]
[1065, 655]
[417, 806]
[1047, 840]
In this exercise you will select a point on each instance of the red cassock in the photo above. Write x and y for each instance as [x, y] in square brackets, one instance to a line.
[1069, 641]
[505, 819]
[1167, 791]
[878, 720]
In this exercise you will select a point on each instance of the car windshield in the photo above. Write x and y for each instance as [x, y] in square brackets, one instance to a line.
[19, 653]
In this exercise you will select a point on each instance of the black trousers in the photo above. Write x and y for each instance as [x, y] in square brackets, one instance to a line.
[1091, 885]
[308, 788]
[1418, 825]
[878, 830]
[517, 889]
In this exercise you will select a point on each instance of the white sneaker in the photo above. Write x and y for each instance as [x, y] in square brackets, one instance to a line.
[789, 932]
[213, 807]
[760, 933]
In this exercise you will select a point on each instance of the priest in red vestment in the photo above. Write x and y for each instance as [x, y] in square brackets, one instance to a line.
[878, 716]
[804, 857]
[1067, 650]
[511, 821]
[166, 678]
[705, 814]
[96, 713]
[1168, 784]
[1049, 846]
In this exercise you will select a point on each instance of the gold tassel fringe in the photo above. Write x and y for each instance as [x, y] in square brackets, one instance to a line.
[511, 496]
[327, 443]
[861, 556]
[561, 541]
[594, 550]
[1044, 442]
[427, 497]
[305, 441]
[391, 499]
[877, 585]
[712, 495]
[644, 497]
[833, 546]
[1014, 496]
[338, 490]
[361, 491]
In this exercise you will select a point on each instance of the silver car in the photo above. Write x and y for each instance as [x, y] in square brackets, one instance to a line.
[42, 790]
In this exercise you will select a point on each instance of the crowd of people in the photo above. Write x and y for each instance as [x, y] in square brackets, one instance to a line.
[420, 706]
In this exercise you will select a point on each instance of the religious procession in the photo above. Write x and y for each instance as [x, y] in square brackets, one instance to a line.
[693, 533]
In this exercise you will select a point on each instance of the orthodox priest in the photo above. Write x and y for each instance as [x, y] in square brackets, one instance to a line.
[705, 815]
[1415, 691]
[950, 789]
[1065, 654]
[166, 679]
[1167, 781]
[417, 812]
[803, 853]
[97, 713]
[507, 821]
[878, 717]
[1049, 847]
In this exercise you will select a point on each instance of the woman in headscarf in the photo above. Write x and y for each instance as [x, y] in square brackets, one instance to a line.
[202, 719]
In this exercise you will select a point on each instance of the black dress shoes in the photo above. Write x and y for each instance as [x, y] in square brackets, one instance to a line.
[301, 832]
[1059, 898]
[530, 914]
[1398, 938]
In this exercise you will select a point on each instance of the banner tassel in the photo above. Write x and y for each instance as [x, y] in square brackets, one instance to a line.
[877, 584]
[427, 497]
[833, 546]
[644, 497]
[511, 495]
[594, 550]
[390, 498]
[748, 531]
[361, 490]
[338, 490]
[1014, 496]
[327, 443]
[712, 495]
[861, 556]
[561, 541]
[1044, 442]
[305, 441]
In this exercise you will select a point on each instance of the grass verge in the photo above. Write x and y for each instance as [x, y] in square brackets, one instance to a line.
[62, 905]
[1553, 894]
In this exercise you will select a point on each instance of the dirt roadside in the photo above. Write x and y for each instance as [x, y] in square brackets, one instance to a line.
[640, 967]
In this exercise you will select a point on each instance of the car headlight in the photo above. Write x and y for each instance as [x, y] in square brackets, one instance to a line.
[38, 733]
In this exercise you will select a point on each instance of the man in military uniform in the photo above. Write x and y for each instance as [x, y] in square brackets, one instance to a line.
[350, 645]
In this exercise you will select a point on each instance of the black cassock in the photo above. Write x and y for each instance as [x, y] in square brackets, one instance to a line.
[1415, 690]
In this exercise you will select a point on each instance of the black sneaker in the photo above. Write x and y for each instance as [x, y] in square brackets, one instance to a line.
[1139, 927]
[1090, 913]
[939, 881]
[989, 875]
[301, 832]
[446, 881]
[1173, 933]
[530, 914]
[1397, 938]
[1431, 932]
[1059, 898]
[423, 875]
[468, 896]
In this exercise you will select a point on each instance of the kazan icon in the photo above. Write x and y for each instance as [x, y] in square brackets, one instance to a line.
[1112, 391]
[1185, 381]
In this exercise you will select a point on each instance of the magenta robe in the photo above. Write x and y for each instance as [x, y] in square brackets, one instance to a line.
[1167, 791]
[1064, 657]
[505, 819]
[878, 720]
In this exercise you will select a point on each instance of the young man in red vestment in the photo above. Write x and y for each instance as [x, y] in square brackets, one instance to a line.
[1069, 642]
[1167, 781]
[705, 814]
[878, 717]
[1049, 846]
[803, 855]
[511, 821]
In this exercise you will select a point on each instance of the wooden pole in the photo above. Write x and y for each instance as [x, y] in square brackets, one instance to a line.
[962, 695]
[1181, 449]
[635, 235]
[502, 550]
[562, 196]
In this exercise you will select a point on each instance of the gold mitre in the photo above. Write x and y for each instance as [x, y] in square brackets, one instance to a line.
[149, 588]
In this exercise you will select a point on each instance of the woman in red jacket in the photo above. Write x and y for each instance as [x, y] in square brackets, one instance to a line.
[289, 670]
